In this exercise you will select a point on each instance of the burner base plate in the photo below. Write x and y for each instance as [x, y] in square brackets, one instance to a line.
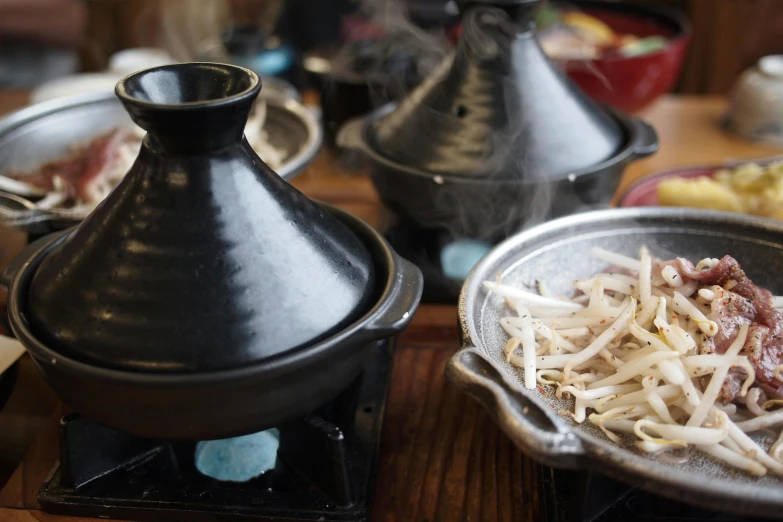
[106, 474]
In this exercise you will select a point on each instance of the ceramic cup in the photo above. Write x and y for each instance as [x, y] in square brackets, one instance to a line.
[756, 105]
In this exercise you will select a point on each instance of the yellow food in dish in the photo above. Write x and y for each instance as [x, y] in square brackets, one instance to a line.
[749, 189]
[592, 27]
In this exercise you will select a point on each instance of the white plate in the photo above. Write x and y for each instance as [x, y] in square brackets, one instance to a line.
[76, 84]
[10, 351]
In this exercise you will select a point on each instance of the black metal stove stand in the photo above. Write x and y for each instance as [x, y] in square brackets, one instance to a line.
[583, 496]
[325, 470]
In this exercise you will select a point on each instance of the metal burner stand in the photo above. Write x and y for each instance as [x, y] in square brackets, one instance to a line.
[325, 470]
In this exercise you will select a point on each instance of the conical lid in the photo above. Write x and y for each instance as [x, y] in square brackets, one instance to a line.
[498, 107]
[202, 258]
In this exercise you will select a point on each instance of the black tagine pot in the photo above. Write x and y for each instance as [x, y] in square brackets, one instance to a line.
[496, 137]
[205, 297]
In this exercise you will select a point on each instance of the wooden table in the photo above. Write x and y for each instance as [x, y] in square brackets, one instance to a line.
[442, 458]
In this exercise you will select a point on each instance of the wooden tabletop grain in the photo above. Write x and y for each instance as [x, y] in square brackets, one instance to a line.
[442, 458]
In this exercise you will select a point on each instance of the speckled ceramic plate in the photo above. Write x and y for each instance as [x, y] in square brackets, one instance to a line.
[558, 252]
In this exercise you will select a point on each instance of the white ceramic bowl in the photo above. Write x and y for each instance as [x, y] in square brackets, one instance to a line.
[129, 61]
[756, 106]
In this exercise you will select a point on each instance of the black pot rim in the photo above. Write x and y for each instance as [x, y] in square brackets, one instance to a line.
[268, 367]
[250, 92]
[628, 152]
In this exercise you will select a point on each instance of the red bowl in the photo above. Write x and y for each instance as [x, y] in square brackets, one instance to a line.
[644, 193]
[629, 84]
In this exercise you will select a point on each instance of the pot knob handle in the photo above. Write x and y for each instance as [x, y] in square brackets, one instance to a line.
[191, 108]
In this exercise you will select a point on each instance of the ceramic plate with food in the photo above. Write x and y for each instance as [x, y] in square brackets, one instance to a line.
[644, 343]
[748, 187]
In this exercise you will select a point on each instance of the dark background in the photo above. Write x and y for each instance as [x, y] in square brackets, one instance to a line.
[728, 35]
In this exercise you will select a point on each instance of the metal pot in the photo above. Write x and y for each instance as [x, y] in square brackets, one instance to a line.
[491, 209]
[556, 251]
[211, 405]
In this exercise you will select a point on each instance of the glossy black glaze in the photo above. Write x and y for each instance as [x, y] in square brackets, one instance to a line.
[496, 139]
[500, 109]
[202, 259]
[218, 404]
[489, 209]
[326, 467]
[191, 108]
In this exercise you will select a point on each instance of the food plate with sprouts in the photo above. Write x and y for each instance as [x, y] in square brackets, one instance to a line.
[643, 343]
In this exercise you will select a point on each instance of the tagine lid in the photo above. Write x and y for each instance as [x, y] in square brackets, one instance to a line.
[202, 258]
[498, 107]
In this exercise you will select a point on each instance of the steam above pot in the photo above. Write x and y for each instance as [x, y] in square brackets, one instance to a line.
[497, 137]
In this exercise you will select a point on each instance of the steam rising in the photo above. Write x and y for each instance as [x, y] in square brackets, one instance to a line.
[189, 27]
[512, 196]
[402, 40]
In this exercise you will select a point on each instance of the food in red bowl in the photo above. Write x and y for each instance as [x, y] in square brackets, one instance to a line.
[748, 187]
[640, 63]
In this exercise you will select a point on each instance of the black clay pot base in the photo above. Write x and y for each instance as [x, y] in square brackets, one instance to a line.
[225, 403]
[500, 109]
[202, 258]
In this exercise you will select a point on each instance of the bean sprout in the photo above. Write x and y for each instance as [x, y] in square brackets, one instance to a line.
[635, 352]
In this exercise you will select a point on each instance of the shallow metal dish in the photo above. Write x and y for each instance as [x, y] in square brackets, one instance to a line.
[558, 252]
[47, 131]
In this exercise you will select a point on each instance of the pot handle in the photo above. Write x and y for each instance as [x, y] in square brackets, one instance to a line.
[646, 139]
[400, 305]
[535, 429]
[21, 259]
[349, 136]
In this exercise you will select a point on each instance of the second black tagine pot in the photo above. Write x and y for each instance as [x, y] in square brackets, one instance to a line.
[205, 297]
[496, 137]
